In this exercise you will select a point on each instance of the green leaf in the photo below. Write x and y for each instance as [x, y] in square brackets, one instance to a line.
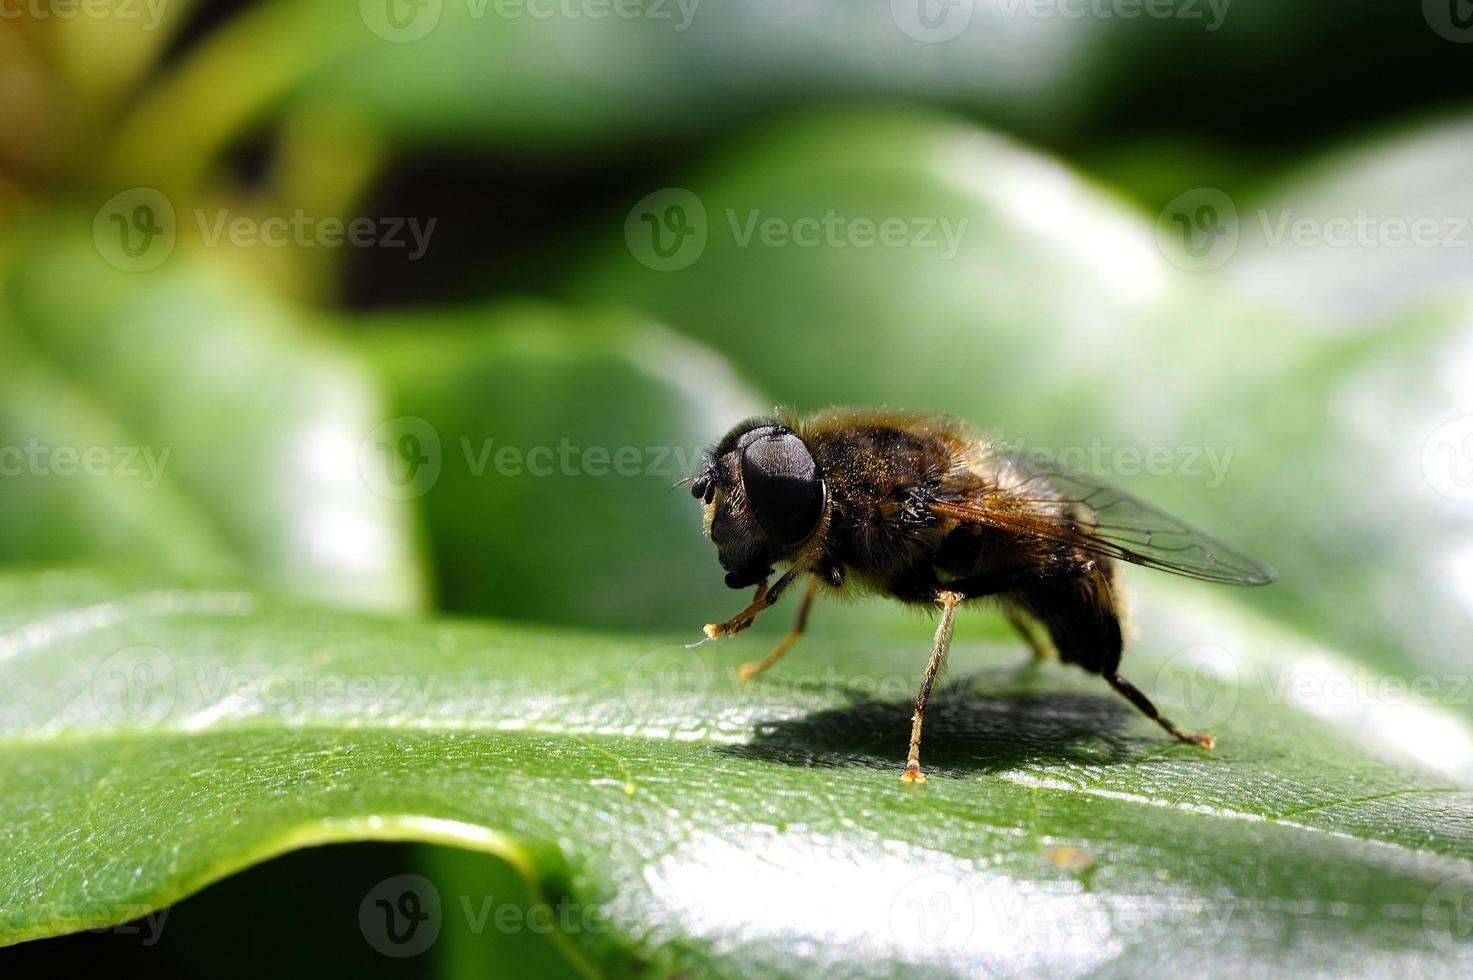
[153, 739]
[179, 417]
[553, 441]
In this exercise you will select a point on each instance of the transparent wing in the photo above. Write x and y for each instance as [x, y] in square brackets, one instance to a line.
[1102, 520]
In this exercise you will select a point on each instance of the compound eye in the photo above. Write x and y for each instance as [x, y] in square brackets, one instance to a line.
[782, 484]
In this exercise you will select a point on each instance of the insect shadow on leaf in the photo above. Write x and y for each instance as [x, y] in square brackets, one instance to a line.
[972, 732]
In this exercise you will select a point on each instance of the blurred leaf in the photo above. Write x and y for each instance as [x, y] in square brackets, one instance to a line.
[697, 827]
[1365, 233]
[178, 417]
[528, 72]
[421, 73]
[1059, 325]
[556, 438]
[617, 72]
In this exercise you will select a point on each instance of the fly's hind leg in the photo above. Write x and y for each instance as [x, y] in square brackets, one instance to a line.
[948, 598]
[1030, 632]
[748, 671]
[1135, 697]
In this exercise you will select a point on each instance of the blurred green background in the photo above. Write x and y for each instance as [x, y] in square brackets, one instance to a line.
[416, 307]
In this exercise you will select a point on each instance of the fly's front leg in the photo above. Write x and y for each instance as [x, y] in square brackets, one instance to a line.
[748, 671]
[743, 619]
[764, 598]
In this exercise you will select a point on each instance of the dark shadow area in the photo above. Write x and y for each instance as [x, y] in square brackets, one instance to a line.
[295, 915]
[966, 732]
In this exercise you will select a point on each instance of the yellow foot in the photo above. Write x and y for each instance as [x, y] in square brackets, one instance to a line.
[1206, 741]
[913, 775]
[729, 628]
[748, 671]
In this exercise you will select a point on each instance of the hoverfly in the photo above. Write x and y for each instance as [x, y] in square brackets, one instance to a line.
[920, 509]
